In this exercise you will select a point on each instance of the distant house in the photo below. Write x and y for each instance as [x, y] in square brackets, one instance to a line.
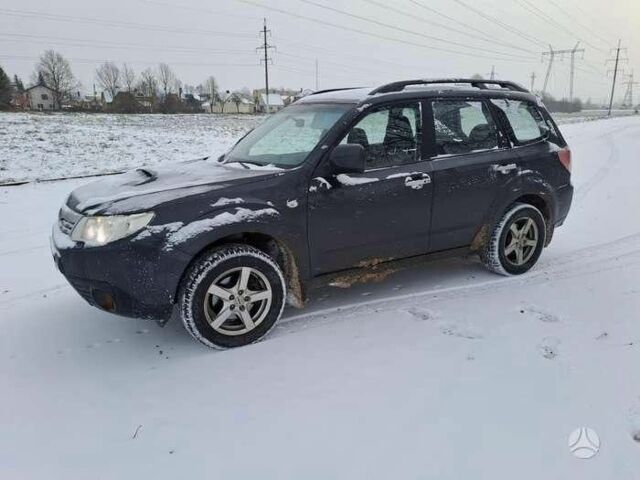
[40, 97]
[245, 106]
[270, 103]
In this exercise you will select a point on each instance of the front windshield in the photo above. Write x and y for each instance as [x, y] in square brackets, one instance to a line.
[286, 138]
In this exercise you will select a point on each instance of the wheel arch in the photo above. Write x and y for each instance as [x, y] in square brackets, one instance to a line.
[267, 243]
[540, 197]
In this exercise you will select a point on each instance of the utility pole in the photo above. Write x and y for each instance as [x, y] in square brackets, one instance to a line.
[533, 79]
[493, 74]
[265, 47]
[615, 72]
[316, 74]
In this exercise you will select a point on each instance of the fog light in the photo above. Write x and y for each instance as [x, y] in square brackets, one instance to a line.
[104, 300]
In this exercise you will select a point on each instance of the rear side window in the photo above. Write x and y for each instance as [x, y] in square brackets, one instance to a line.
[526, 121]
[463, 126]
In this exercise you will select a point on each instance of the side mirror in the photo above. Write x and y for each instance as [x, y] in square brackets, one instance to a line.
[348, 158]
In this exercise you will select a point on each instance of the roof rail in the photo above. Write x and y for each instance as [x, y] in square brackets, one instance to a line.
[477, 83]
[328, 90]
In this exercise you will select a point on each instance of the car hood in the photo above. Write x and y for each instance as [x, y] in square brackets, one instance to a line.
[145, 188]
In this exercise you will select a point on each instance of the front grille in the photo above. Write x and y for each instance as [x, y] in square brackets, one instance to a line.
[67, 219]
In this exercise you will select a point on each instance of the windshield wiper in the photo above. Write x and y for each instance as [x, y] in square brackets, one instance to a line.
[245, 163]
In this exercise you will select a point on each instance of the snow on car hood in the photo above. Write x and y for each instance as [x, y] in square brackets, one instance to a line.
[145, 188]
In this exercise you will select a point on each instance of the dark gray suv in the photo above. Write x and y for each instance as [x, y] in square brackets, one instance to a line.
[340, 184]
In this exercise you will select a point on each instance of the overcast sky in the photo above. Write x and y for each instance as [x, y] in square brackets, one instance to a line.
[363, 43]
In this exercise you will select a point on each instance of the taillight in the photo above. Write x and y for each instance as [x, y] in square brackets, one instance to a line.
[564, 156]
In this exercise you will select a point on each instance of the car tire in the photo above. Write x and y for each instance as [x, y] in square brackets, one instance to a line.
[516, 241]
[232, 296]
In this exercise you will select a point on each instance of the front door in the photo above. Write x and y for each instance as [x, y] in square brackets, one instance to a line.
[470, 164]
[380, 214]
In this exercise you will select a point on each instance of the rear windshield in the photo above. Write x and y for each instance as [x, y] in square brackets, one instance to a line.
[286, 138]
[525, 119]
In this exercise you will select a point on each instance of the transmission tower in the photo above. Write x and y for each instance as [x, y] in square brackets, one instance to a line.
[492, 74]
[552, 54]
[628, 96]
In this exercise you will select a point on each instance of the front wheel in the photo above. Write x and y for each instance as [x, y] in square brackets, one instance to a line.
[516, 242]
[232, 296]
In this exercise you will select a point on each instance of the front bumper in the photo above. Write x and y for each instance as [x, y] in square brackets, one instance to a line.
[133, 279]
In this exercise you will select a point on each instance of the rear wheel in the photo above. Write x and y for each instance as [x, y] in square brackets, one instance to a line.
[232, 296]
[516, 242]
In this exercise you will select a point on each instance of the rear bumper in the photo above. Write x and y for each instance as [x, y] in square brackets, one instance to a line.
[133, 280]
[563, 203]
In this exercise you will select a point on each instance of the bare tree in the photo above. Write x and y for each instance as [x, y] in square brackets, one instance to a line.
[223, 98]
[148, 83]
[236, 97]
[128, 77]
[108, 76]
[167, 79]
[210, 88]
[56, 72]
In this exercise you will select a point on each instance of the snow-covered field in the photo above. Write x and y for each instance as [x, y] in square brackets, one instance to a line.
[42, 146]
[443, 371]
[37, 146]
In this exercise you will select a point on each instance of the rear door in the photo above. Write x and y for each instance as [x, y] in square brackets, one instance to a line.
[537, 142]
[470, 161]
[382, 213]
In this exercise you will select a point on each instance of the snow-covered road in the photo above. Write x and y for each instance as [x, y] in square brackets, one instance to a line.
[443, 371]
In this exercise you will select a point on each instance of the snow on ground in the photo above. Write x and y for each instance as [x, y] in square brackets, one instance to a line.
[443, 371]
[53, 145]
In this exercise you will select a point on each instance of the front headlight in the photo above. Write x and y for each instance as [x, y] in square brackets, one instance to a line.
[97, 231]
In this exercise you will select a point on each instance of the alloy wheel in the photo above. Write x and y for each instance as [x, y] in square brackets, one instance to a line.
[521, 241]
[237, 301]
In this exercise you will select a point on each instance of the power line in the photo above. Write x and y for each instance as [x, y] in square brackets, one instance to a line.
[32, 58]
[597, 21]
[26, 38]
[500, 23]
[119, 24]
[413, 16]
[574, 20]
[527, 5]
[370, 34]
[404, 30]
[451, 19]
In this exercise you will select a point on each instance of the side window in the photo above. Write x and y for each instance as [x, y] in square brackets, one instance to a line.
[526, 122]
[389, 135]
[463, 126]
[45, 96]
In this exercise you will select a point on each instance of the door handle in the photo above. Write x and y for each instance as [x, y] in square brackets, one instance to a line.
[504, 169]
[417, 180]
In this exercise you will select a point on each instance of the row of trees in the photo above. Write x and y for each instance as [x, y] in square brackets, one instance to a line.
[163, 82]
[160, 86]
